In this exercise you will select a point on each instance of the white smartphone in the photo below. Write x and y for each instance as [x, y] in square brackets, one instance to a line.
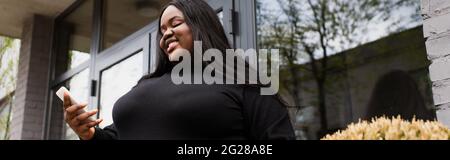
[60, 94]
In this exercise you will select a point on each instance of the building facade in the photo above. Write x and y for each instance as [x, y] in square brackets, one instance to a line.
[348, 95]
[100, 48]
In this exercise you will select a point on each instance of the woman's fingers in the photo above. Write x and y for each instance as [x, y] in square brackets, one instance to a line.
[86, 115]
[66, 102]
[81, 119]
[93, 123]
[71, 112]
[72, 109]
[79, 122]
[85, 127]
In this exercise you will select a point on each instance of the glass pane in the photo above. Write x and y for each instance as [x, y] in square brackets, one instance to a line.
[78, 26]
[124, 17]
[220, 15]
[76, 58]
[370, 52]
[79, 88]
[116, 81]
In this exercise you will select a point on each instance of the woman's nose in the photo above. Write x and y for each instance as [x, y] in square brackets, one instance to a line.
[169, 33]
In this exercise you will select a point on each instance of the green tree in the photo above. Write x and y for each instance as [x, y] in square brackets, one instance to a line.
[7, 82]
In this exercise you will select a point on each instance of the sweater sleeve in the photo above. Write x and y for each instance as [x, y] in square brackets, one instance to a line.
[107, 133]
[266, 117]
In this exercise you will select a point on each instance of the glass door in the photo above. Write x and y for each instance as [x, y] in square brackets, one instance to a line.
[118, 68]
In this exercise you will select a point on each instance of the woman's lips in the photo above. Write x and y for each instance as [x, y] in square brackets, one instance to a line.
[172, 46]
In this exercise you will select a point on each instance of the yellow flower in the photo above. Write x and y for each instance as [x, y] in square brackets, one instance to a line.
[392, 129]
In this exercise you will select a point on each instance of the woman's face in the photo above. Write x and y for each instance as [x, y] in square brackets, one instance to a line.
[176, 33]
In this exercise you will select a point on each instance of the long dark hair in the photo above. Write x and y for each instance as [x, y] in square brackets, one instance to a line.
[205, 26]
[396, 93]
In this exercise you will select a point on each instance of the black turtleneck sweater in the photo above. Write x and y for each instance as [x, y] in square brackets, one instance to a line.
[158, 109]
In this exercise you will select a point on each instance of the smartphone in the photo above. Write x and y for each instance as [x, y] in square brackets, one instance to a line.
[60, 94]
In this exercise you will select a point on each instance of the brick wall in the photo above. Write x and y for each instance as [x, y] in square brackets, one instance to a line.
[32, 79]
[436, 15]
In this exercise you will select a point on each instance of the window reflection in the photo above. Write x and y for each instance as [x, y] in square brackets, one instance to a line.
[124, 17]
[331, 60]
[76, 30]
[116, 81]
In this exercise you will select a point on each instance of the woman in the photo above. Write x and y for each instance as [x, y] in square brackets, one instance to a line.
[397, 94]
[156, 108]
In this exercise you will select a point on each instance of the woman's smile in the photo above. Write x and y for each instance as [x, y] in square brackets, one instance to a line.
[172, 46]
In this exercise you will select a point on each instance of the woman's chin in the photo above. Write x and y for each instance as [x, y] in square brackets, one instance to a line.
[175, 55]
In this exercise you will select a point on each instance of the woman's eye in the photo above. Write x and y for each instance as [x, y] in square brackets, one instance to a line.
[177, 24]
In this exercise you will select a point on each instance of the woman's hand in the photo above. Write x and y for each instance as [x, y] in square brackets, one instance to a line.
[79, 123]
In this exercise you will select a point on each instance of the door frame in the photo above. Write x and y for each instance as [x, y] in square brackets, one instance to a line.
[227, 9]
[143, 40]
[239, 18]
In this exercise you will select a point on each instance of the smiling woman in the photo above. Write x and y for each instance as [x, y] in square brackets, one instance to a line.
[157, 108]
[176, 33]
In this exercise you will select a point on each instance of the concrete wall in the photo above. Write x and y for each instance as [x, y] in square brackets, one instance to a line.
[436, 15]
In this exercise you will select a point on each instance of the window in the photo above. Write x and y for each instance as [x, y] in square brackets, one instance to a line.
[122, 18]
[75, 35]
[361, 46]
[115, 82]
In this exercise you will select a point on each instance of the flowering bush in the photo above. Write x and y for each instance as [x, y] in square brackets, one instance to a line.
[393, 129]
